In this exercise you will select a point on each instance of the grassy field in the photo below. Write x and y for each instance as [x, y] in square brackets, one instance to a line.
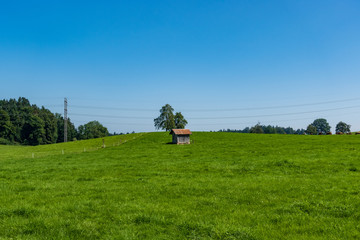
[223, 186]
[18, 152]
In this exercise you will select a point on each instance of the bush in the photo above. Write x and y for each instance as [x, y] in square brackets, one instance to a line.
[4, 141]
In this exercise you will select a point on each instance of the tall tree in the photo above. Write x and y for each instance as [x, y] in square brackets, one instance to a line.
[322, 126]
[256, 129]
[166, 120]
[6, 128]
[311, 130]
[269, 129]
[246, 130]
[342, 127]
[33, 132]
[289, 130]
[50, 125]
[280, 130]
[92, 129]
[180, 121]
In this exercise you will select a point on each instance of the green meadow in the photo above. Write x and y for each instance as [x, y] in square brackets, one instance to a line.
[222, 186]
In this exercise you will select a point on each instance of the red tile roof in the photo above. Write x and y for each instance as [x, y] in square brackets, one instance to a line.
[181, 131]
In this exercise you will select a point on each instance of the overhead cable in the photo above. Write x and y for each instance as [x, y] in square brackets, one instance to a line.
[220, 109]
[226, 117]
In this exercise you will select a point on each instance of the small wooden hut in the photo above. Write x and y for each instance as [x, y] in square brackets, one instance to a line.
[180, 136]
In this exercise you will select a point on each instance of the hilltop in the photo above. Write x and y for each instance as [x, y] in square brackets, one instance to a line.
[222, 186]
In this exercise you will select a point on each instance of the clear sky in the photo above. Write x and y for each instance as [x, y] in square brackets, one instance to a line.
[240, 62]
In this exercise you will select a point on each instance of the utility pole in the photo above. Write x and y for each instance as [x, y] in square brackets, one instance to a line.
[65, 120]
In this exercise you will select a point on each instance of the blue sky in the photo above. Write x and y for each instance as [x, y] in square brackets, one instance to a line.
[195, 55]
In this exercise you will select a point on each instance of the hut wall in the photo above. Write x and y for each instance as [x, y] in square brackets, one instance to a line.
[180, 139]
[174, 138]
[184, 139]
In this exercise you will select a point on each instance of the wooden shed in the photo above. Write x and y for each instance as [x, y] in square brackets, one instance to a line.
[180, 136]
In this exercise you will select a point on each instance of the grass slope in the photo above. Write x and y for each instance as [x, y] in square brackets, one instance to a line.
[17, 152]
[224, 186]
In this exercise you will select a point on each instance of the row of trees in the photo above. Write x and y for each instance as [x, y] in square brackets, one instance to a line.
[258, 128]
[167, 120]
[321, 126]
[21, 122]
[318, 127]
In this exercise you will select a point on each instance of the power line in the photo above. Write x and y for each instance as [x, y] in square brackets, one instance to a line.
[227, 117]
[231, 123]
[274, 107]
[119, 123]
[108, 116]
[278, 114]
[115, 108]
[219, 110]
[207, 118]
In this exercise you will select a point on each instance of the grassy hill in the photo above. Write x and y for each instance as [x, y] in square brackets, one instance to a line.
[223, 186]
[17, 152]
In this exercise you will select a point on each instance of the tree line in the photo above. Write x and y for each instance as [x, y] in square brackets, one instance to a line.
[319, 126]
[28, 124]
[258, 128]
